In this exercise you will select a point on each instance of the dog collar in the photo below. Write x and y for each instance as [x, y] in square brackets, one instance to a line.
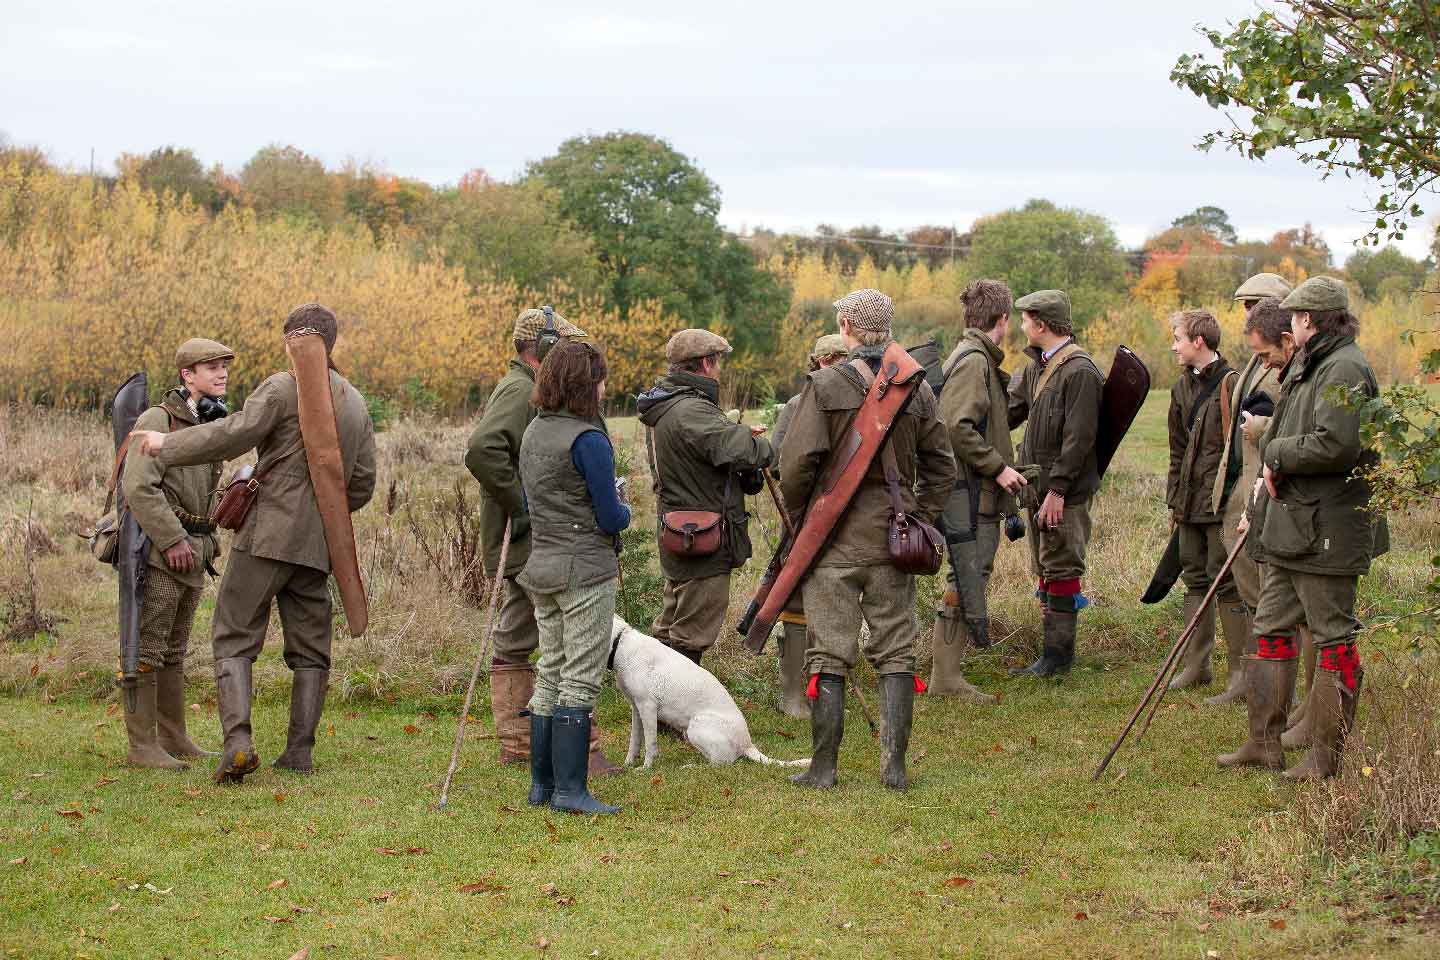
[614, 645]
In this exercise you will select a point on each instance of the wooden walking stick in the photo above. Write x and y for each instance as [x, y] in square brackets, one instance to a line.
[1170, 661]
[495, 588]
[790, 531]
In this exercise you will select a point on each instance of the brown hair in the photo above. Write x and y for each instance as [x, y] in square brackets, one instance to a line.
[986, 303]
[567, 379]
[695, 365]
[1341, 322]
[1268, 320]
[317, 317]
[1198, 323]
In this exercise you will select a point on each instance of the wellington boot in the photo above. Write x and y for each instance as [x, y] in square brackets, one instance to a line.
[542, 770]
[511, 686]
[170, 714]
[1235, 617]
[1058, 652]
[1298, 735]
[144, 747]
[232, 693]
[1268, 684]
[897, 701]
[599, 765]
[953, 638]
[569, 753]
[793, 702]
[827, 729]
[307, 700]
[1332, 713]
[1308, 655]
[1196, 672]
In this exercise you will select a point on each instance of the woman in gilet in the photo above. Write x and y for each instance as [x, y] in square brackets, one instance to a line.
[567, 468]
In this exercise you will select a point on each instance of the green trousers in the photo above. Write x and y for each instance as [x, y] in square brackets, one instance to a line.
[574, 629]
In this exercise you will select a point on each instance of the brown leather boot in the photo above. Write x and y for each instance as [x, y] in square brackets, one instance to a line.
[170, 714]
[307, 701]
[1268, 684]
[793, 702]
[599, 765]
[144, 747]
[1235, 618]
[232, 694]
[1332, 713]
[511, 686]
[1196, 672]
[950, 644]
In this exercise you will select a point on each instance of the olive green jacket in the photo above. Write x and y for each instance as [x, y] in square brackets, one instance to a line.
[827, 409]
[155, 492]
[1320, 521]
[700, 452]
[284, 522]
[973, 407]
[1255, 379]
[493, 458]
[1061, 425]
[568, 548]
[1196, 448]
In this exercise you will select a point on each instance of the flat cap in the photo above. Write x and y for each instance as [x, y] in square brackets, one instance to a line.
[199, 350]
[866, 309]
[1318, 293]
[693, 344]
[828, 346]
[1048, 305]
[1263, 285]
[530, 322]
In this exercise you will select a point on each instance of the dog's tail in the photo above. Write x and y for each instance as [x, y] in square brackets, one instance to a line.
[753, 754]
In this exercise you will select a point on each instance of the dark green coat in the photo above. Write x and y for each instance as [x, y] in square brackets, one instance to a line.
[1320, 521]
[973, 406]
[567, 548]
[699, 449]
[1196, 448]
[1060, 426]
[493, 458]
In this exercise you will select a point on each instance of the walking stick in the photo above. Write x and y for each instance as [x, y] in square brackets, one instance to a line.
[790, 531]
[1171, 660]
[495, 589]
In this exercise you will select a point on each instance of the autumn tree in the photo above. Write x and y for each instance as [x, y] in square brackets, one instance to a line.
[1385, 272]
[287, 180]
[1212, 220]
[175, 169]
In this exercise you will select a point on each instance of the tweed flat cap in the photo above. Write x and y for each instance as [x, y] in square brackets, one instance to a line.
[1264, 285]
[828, 346]
[866, 310]
[693, 344]
[1048, 305]
[1318, 293]
[530, 322]
[199, 350]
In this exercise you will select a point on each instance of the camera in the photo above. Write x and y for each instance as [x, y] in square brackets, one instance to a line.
[1014, 527]
[211, 408]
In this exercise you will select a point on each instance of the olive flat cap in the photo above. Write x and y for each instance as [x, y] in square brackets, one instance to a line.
[866, 309]
[1263, 285]
[1048, 305]
[693, 344]
[1318, 293]
[828, 346]
[199, 350]
[530, 322]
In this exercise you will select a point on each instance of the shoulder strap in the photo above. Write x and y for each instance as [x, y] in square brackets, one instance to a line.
[261, 472]
[1200, 401]
[1053, 364]
[654, 467]
[964, 350]
[892, 478]
[1227, 403]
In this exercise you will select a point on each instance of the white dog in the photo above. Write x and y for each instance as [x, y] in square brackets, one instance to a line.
[663, 685]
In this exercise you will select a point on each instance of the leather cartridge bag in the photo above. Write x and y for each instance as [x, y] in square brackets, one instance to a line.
[688, 533]
[241, 491]
[915, 546]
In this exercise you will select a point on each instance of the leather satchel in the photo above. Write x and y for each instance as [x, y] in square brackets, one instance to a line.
[241, 491]
[915, 546]
[688, 533]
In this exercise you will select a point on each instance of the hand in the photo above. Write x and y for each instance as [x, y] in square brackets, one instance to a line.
[1245, 420]
[756, 429]
[1052, 511]
[150, 441]
[1271, 478]
[1010, 480]
[180, 557]
[1243, 525]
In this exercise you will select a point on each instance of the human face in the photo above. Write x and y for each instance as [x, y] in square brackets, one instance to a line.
[1033, 329]
[712, 366]
[1273, 355]
[207, 379]
[1188, 352]
[1301, 327]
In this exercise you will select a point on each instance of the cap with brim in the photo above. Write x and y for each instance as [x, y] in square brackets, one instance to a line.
[693, 344]
[199, 350]
[1318, 293]
[830, 345]
[1263, 285]
[866, 309]
[530, 322]
[1051, 306]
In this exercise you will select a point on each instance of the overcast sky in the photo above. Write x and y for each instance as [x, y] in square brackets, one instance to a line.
[803, 113]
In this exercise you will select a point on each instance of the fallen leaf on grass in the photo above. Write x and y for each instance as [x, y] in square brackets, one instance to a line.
[392, 852]
[411, 729]
[724, 873]
[506, 808]
[279, 919]
[19, 861]
[383, 896]
[370, 737]
[656, 780]
[279, 798]
[277, 884]
[330, 730]
[71, 814]
[543, 943]
[484, 885]
[755, 883]
[1277, 924]
[997, 749]
[302, 954]
[106, 781]
[191, 792]
[785, 733]
[113, 908]
[1081, 915]
[959, 882]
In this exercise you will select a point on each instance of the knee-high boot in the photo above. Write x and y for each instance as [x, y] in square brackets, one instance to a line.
[144, 748]
[232, 691]
[897, 700]
[1268, 685]
[1235, 619]
[1332, 712]
[1202, 642]
[827, 729]
[952, 640]
[307, 701]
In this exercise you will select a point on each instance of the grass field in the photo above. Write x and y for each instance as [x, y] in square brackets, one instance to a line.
[1001, 848]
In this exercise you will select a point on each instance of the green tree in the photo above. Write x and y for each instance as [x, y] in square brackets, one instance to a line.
[650, 214]
[1347, 84]
[287, 180]
[178, 170]
[1383, 271]
[1212, 220]
[1041, 246]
